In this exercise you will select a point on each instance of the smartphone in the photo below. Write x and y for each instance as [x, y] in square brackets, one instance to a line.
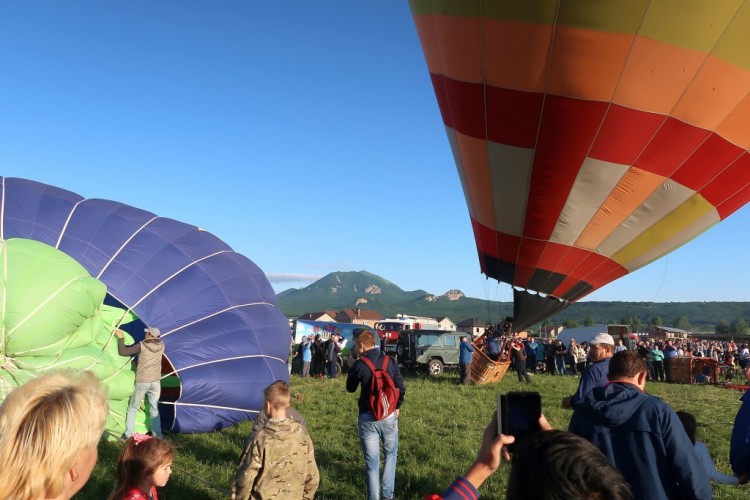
[518, 415]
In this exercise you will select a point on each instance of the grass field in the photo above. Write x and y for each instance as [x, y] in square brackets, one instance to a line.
[441, 425]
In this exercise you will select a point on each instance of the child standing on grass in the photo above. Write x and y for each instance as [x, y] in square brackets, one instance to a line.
[145, 463]
[279, 461]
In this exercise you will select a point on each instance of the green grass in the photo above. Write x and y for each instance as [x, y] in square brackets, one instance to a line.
[441, 425]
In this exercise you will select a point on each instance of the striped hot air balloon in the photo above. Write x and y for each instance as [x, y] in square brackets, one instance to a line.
[591, 137]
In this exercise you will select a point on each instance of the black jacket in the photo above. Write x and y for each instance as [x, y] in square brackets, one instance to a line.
[360, 373]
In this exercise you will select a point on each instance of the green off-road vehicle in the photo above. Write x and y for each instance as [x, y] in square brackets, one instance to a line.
[430, 349]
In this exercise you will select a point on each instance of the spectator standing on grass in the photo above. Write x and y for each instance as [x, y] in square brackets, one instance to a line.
[739, 447]
[531, 347]
[306, 355]
[645, 352]
[744, 356]
[518, 353]
[640, 434]
[600, 353]
[319, 357]
[332, 354]
[669, 354]
[581, 357]
[549, 356]
[466, 352]
[560, 353]
[691, 426]
[279, 460]
[657, 360]
[573, 357]
[147, 378]
[373, 432]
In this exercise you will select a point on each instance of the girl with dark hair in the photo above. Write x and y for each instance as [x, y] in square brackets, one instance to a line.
[145, 463]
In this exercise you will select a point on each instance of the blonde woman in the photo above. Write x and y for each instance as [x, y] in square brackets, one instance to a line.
[573, 353]
[49, 431]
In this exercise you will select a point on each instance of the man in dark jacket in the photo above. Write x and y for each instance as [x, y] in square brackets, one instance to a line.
[640, 435]
[370, 430]
[332, 354]
[739, 449]
[147, 378]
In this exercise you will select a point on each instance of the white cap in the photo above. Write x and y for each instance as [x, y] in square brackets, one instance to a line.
[602, 338]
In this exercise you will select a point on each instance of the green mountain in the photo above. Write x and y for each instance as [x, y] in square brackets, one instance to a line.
[341, 290]
[365, 290]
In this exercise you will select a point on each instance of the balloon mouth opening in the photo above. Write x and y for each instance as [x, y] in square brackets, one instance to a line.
[171, 386]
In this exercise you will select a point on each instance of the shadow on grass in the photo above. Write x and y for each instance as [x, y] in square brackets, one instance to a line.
[345, 482]
[449, 377]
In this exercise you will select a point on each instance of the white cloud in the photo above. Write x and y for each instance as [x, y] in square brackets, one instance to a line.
[291, 277]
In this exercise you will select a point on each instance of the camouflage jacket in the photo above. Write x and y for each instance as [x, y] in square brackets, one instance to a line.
[278, 463]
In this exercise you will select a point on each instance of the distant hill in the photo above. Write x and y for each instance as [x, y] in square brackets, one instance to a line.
[354, 289]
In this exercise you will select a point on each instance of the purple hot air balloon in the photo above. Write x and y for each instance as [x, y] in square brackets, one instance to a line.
[226, 339]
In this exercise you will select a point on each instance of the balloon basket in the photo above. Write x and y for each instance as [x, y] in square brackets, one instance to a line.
[484, 370]
[689, 370]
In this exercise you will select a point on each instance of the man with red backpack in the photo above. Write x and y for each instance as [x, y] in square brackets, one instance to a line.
[380, 398]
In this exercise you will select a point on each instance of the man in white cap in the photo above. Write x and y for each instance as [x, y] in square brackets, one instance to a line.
[601, 351]
[147, 377]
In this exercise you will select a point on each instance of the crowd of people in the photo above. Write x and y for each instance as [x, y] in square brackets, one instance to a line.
[554, 357]
[621, 443]
[318, 358]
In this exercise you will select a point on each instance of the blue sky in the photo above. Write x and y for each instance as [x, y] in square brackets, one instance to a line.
[304, 134]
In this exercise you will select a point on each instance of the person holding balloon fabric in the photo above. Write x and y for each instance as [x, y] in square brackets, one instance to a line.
[147, 377]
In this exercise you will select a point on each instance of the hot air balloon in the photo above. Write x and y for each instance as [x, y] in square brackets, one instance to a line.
[225, 338]
[590, 137]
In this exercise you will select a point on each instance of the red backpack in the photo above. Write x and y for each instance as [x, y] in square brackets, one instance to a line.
[383, 391]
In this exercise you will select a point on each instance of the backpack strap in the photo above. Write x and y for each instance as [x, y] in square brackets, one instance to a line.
[371, 366]
[385, 362]
[368, 363]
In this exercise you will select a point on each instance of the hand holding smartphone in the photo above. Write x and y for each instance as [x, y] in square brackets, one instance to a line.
[518, 415]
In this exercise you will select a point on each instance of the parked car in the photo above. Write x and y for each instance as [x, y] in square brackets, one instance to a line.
[432, 350]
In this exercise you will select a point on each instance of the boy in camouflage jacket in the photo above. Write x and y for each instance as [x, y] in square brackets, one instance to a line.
[279, 461]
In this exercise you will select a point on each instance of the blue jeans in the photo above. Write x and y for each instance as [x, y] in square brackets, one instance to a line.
[332, 369]
[371, 434]
[153, 391]
[560, 365]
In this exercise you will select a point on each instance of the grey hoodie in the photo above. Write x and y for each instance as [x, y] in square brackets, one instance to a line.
[149, 354]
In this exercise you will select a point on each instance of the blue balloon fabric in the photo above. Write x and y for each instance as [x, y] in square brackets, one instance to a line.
[226, 340]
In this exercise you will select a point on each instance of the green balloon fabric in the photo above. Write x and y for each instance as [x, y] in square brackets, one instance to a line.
[54, 317]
